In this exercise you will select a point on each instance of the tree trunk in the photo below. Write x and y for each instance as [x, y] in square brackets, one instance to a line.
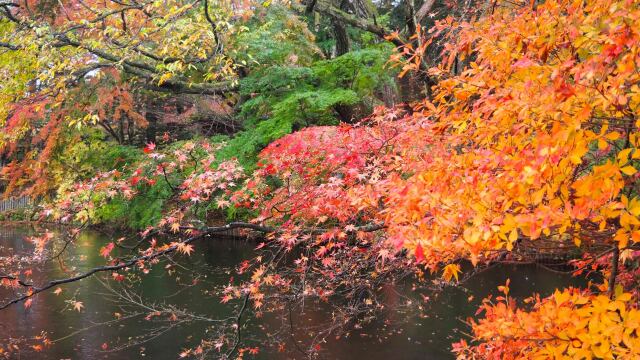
[341, 36]
[615, 257]
[340, 31]
[410, 16]
[152, 126]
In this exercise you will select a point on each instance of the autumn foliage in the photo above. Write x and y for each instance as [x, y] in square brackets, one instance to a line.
[523, 144]
[536, 139]
[531, 134]
[568, 324]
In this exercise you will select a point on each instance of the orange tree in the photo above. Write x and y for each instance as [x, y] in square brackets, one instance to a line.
[534, 139]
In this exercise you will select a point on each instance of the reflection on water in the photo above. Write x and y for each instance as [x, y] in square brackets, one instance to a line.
[81, 335]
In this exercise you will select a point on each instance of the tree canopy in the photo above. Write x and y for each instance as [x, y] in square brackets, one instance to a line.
[366, 141]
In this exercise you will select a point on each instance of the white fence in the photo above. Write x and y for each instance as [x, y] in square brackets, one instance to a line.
[15, 203]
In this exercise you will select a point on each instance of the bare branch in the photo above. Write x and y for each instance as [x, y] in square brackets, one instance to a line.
[363, 24]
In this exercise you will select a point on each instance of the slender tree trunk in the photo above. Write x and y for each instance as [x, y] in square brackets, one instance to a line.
[130, 129]
[121, 131]
[152, 126]
[615, 257]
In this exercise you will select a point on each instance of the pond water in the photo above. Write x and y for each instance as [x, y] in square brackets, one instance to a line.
[81, 335]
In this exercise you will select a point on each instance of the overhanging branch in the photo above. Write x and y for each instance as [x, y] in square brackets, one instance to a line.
[34, 290]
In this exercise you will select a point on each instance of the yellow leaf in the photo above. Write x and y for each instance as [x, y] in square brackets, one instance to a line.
[634, 206]
[624, 297]
[451, 270]
[575, 159]
[613, 136]
[602, 144]
[628, 170]
[561, 297]
[164, 78]
[623, 156]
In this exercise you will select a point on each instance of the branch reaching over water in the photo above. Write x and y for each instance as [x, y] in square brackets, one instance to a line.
[36, 290]
[203, 231]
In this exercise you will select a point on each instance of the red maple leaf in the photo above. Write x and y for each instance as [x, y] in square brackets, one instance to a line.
[149, 148]
[106, 250]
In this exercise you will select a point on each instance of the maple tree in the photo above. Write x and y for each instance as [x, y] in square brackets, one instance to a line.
[535, 140]
[82, 63]
[528, 138]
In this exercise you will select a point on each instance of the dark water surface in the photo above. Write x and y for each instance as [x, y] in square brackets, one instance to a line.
[393, 335]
